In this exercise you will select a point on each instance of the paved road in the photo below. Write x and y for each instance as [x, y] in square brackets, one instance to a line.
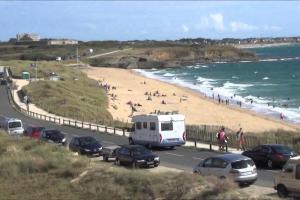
[180, 158]
[103, 54]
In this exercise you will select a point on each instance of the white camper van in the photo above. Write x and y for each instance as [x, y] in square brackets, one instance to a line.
[11, 125]
[167, 130]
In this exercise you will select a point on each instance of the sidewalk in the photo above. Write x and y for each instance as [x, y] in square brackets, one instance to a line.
[33, 108]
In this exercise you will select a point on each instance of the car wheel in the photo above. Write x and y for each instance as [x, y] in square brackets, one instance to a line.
[117, 162]
[282, 191]
[156, 165]
[131, 141]
[134, 165]
[270, 164]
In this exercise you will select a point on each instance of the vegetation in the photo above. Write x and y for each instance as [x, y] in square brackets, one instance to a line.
[75, 95]
[30, 169]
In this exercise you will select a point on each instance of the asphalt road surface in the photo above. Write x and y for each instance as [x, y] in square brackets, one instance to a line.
[180, 157]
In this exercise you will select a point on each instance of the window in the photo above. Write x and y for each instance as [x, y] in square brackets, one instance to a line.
[287, 168]
[125, 151]
[298, 172]
[265, 150]
[218, 163]
[152, 126]
[138, 125]
[14, 125]
[207, 163]
[168, 126]
[242, 164]
[145, 125]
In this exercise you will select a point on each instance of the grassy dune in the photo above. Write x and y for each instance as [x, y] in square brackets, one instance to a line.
[30, 169]
[75, 96]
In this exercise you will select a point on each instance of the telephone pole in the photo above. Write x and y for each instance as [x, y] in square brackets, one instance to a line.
[77, 59]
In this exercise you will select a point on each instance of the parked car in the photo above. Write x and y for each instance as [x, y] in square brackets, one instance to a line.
[287, 182]
[33, 131]
[86, 145]
[237, 167]
[270, 155]
[136, 156]
[53, 135]
[12, 126]
[109, 152]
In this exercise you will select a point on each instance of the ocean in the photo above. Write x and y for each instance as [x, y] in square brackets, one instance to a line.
[269, 86]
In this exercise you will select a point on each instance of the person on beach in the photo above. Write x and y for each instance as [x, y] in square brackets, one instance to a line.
[281, 116]
[221, 135]
[240, 140]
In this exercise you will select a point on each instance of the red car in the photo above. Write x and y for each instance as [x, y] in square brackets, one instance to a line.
[34, 131]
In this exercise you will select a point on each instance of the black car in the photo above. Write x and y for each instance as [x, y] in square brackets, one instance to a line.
[136, 156]
[86, 145]
[270, 155]
[53, 135]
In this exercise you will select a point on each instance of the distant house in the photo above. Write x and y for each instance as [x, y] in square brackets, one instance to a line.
[62, 42]
[28, 37]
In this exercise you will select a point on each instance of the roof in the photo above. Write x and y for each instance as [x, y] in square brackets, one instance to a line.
[159, 117]
[231, 157]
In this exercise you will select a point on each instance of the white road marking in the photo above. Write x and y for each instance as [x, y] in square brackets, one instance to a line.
[196, 158]
[173, 154]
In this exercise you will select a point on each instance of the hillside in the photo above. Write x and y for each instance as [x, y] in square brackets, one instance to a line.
[178, 56]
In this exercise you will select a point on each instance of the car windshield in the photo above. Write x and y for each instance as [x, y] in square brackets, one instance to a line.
[54, 132]
[242, 164]
[283, 149]
[87, 141]
[141, 151]
[15, 125]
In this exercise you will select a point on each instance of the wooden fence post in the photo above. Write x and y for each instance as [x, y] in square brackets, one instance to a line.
[195, 143]
[90, 126]
[75, 123]
[210, 143]
[114, 130]
[123, 132]
[82, 124]
[97, 128]
[69, 122]
[105, 129]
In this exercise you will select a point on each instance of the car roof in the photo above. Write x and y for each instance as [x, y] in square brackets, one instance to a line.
[35, 126]
[82, 137]
[51, 129]
[231, 157]
[133, 146]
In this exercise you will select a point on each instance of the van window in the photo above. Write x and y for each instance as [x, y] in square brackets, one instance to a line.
[167, 126]
[207, 163]
[14, 125]
[152, 126]
[145, 125]
[242, 164]
[298, 172]
[138, 125]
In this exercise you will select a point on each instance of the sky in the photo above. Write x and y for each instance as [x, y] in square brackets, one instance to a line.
[154, 20]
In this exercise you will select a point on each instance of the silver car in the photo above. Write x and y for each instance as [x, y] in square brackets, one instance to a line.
[237, 167]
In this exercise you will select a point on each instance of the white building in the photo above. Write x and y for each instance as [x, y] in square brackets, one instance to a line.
[62, 42]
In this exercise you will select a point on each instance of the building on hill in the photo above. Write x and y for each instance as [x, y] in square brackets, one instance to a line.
[62, 42]
[28, 37]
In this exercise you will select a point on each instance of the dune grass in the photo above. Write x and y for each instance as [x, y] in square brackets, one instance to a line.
[30, 169]
[75, 96]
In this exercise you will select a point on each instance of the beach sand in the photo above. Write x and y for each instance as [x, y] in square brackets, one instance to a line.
[197, 108]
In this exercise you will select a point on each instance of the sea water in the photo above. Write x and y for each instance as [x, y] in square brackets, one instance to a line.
[270, 85]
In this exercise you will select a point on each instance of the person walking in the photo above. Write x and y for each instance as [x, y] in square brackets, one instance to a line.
[223, 139]
[241, 140]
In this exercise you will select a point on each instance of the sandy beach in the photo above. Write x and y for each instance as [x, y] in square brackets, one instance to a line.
[198, 109]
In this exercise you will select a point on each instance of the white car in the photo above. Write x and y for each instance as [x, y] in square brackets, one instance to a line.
[237, 167]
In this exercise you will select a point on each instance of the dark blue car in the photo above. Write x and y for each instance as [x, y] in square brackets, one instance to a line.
[136, 156]
[86, 145]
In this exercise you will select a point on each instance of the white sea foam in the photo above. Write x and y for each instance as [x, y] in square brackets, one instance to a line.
[204, 66]
[269, 60]
[235, 77]
[169, 74]
[256, 72]
[196, 67]
[266, 78]
[220, 62]
[245, 61]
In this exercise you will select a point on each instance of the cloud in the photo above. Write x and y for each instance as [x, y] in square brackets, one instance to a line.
[271, 28]
[217, 21]
[212, 21]
[240, 26]
[185, 28]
